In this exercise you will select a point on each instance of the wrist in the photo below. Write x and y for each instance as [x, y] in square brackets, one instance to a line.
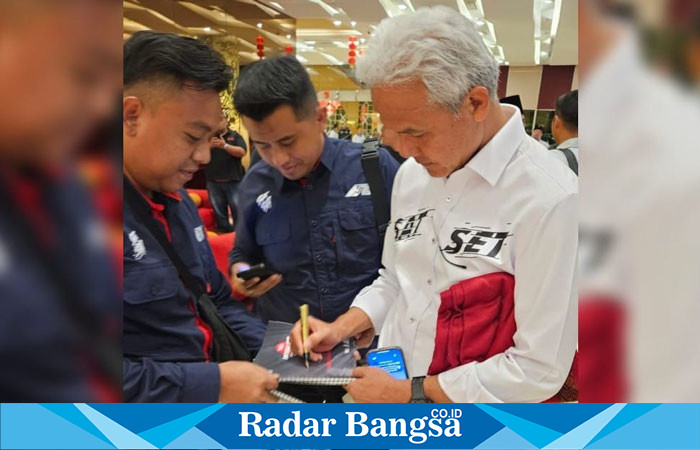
[401, 391]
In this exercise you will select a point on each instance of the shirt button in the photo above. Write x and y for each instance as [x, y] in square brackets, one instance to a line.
[324, 290]
[314, 223]
[154, 290]
[411, 319]
[448, 199]
[430, 282]
[433, 240]
[318, 258]
[308, 187]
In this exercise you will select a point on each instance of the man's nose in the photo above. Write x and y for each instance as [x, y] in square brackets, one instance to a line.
[280, 157]
[406, 147]
[202, 154]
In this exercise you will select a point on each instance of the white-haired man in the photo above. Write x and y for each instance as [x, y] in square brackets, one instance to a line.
[479, 285]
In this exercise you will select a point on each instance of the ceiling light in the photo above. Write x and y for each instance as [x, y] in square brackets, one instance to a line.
[402, 7]
[277, 5]
[259, 24]
[353, 23]
[363, 40]
[337, 23]
[289, 36]
[207, 29]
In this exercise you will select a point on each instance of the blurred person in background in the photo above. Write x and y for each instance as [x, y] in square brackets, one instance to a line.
[171, 112]
[565, 129]
[360, 137]
[537, 134]
[59, 290]
[638, 220]
[478, 285]
[333, 134]
[224, 173]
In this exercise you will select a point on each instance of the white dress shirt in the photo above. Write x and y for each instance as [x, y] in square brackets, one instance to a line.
[333, 134]
[513, 186]
[571, 144]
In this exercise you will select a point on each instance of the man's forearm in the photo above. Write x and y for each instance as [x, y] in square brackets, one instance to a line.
[353, 322]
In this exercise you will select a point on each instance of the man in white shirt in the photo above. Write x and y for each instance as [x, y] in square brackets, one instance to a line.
[537, 134]
[334, 132]
[483, 222]
[565, 129]
[360, 137]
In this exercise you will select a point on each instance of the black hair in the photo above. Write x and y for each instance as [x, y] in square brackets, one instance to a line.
[149, 55]
[265, 85]
[567, 109]
[538, 127]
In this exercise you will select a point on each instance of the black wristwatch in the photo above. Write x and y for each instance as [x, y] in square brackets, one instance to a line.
[417, 392]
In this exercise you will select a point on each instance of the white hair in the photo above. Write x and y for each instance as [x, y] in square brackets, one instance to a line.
[437, 46]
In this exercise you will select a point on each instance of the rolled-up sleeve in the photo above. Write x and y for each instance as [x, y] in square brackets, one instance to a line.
[546, 294]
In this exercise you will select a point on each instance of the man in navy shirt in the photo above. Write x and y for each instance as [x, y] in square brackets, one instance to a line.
[306, 209]
[171, 111]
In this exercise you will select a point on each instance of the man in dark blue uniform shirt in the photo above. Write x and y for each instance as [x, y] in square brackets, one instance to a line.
[306, 209]
[171, 111]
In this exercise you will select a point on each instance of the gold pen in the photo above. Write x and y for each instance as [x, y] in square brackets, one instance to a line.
[304, 313]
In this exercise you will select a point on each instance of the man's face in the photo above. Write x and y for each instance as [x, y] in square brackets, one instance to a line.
[438, 140]
[60, 76]
[291, 146]
[537, 134]
[167, 141]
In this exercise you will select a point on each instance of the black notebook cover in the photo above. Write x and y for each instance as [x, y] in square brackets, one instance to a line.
[335, 368]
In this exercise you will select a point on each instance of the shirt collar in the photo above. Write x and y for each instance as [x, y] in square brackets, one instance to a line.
[569, 143]
[490, 162]
[328, 158]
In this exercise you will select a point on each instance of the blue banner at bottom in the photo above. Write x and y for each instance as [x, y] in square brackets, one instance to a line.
[345, 426]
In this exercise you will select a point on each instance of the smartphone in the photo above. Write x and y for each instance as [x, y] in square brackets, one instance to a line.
[389, 359]
[258, 270]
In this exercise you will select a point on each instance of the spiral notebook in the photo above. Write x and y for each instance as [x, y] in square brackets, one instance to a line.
[335, 369]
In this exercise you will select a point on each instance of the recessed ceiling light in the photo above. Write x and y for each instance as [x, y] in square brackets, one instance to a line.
[363, 40]
[337, 23]
[289, 36]
[353, 23]
[402, 7]
[207, 29]
[259, 24]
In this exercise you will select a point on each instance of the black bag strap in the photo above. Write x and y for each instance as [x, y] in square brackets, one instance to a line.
[570, 159]
[134, 199]
[375, 180]
[228, 345]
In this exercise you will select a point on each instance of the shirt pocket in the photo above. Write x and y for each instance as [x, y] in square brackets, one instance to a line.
[149, 283]
[359, 246]
[273, 235]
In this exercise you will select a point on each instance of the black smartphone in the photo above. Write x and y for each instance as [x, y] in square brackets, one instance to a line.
[389, 359]
[258, 270]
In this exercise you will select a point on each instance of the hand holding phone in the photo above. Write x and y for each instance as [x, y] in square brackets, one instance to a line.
[253, 281]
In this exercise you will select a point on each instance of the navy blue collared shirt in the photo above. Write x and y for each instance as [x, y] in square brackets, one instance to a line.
[320, 234]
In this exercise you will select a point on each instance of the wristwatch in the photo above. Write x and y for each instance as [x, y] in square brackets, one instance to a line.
[417, 392]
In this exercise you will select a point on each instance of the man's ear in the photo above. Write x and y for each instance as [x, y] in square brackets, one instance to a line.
[132, 109]
[320, 117]
[477, 103]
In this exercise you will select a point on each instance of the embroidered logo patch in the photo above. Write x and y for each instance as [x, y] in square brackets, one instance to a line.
[199, 233]
[358, 190]
[264, 201]
[138, 246]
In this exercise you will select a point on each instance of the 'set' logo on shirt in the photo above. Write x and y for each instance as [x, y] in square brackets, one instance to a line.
[137, 245]
[466, 242]
[408, 227]
[264, 201]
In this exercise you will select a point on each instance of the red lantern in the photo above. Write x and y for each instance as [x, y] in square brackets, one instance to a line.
[289, 49]
[351, 53]
[352, 46]
[351, 61]
[260, 46]
[326, 94]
